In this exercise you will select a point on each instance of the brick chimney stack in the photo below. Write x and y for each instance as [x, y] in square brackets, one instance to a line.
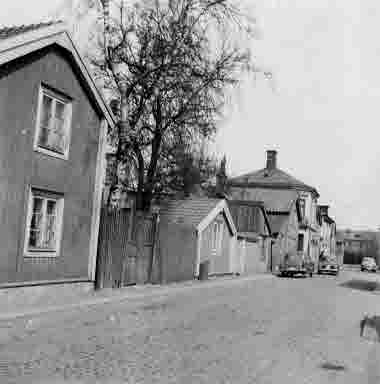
[271, 159]
[221, 178]
[324, 210]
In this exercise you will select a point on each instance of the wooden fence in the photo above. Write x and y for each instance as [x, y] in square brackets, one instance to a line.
[126, 248]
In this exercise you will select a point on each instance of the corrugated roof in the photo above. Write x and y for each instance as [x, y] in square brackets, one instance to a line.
[245, 215]
[189, 211]
[271, 178]
[277, 222]
[7, 32]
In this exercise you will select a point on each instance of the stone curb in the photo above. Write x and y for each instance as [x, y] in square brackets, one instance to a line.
[127, 294]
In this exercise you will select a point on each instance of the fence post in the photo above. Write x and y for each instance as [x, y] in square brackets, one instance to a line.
[156, 220]
[99, 271]
[129, 236]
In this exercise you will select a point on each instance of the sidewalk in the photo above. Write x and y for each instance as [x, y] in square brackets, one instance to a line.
[132, 293]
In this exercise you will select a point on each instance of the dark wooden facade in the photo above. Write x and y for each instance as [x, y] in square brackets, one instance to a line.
[22, 167]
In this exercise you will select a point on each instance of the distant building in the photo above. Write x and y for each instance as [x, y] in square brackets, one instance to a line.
[358, 244]
[328, 232]
[275, 184]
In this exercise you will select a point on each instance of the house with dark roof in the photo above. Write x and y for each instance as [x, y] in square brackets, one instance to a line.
[254, 240]
[278, 190]
[52, 134]
[193, 231]
[283, 213]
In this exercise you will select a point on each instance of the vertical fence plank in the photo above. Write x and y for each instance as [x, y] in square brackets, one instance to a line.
[120, 232]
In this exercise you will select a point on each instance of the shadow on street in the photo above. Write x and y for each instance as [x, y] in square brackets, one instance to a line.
[362, 285]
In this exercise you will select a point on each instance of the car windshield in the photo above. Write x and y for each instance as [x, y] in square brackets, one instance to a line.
[368, 260]
[328, 259]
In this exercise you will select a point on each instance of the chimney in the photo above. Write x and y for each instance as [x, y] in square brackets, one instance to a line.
[324, 209]
[106, 20]
[221, 179]
[271, 159]
[106, 13]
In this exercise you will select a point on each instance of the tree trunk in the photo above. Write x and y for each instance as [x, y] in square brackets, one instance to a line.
[149, 185]
[140, 182]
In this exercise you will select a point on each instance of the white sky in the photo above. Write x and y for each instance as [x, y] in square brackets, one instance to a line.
[324, 110]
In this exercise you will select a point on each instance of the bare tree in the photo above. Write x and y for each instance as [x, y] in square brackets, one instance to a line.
[186, 169]
[171, 63]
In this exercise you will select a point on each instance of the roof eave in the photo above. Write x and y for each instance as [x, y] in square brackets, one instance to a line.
[221, 206]
[25, 43]
[269, 185]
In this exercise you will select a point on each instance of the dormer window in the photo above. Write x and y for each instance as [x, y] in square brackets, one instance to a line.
[53, 123]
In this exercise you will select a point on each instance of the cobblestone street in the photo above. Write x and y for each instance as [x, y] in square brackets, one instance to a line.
[266, 331]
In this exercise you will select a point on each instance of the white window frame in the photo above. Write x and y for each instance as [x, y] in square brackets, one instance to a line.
[217, 235]
[67, 124]
[46, 195]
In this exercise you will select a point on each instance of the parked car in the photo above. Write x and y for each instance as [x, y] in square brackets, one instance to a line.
[296, 264]
[328, 265]
[368, 264]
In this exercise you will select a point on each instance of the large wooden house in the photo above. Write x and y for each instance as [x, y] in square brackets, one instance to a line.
[52, 128]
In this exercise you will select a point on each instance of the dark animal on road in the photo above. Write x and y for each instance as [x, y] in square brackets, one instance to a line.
[370, 322]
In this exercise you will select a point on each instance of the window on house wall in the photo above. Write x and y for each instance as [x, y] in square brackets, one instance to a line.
[302, 203]
[300, 244]
[314, 212]
[217, 233]
[44, 224]
[53, 123]
[214, 235]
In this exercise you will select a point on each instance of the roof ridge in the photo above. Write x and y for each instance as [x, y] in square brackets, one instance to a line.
[268, 177]
[13, 30]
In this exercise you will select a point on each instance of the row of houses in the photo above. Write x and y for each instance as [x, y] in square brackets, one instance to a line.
[263, 216]
[299, 225]
[53, 130]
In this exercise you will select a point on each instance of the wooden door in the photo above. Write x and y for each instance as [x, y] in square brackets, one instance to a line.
[220, 260]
